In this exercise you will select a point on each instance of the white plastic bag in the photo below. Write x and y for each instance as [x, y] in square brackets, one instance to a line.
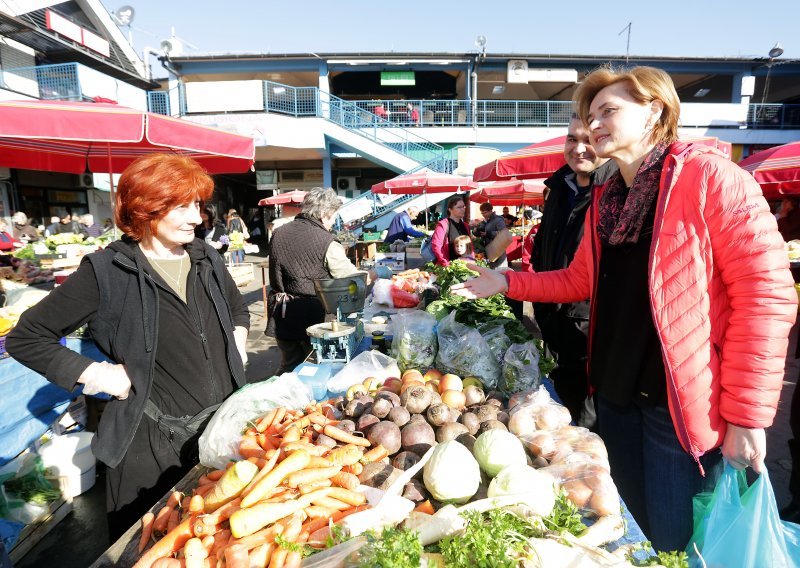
[382, 292]
[219, 443]
[366, 364]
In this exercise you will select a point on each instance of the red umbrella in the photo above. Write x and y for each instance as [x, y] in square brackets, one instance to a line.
[511, 193]
[294, 196]
[776, 169]
[424, 182]
[538, 160]
[543, 159]
[71, 137]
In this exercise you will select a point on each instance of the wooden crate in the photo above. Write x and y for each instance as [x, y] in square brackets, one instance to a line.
[35, 532]
[243, 273]
[125, 552]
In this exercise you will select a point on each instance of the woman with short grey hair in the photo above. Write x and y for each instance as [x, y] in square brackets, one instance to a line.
[302, 251]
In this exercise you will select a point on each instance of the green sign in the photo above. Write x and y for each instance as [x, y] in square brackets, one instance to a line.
[397, 78]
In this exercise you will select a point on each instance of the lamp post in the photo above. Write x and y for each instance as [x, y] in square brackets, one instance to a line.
[480, 43]
[774, 53]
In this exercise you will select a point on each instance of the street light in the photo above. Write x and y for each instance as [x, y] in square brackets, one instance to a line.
[480, 43]
[774, 53]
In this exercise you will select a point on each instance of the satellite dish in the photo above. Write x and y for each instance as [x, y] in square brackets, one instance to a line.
[172, 46]
[776, 51]
[124, 15]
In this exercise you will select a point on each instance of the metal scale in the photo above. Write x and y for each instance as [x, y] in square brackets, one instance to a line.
[337, 341]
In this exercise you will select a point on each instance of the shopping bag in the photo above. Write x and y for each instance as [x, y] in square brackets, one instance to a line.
[740, 526]
[425, 251]
[499, 244]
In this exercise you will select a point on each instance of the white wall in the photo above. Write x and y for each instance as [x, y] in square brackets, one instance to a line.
[96, 84]
[224, 96]
[12, 56]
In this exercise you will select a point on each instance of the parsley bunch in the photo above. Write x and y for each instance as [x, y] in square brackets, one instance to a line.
[494, 539]
[394, 548]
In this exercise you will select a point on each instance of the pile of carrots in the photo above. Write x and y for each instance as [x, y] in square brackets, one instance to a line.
[411, 280]
[286, 494]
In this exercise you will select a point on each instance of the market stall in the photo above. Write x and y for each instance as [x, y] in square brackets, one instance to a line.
[437, 425]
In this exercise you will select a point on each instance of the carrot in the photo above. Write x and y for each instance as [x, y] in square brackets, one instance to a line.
[313, 486]
[230, 485]
[293, 462]
[301, 423]
[346, 480]
[321, 419]
[305, 446]
[341, 436]
[291, 534]
[216, 474]
[265, 443]
[174, 499]
[203, 490]
[345, 455]
[355, 469]
[295, 557]
[194, 552]
[247, 521]
[196, 504]
[174, 519]
[266, 421]
[185, 502]
[202, 529]
[162, 518]
[236, 557]
[317, 511]
[319, 529]
[265, 469]
[317, 461]
[280, 414]
[249, 447]
[222, 513]
[376, 454]
[147, 530]
[221, 539]
[319, 538]
[291, 435]
[264, 536]
[261, 555]
[331, 503]
[204, 480]
[168, 563]
[310, 475]
[352, 498]
[173, 541]
[425, 507]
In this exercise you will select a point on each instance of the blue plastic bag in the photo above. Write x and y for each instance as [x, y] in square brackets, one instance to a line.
[741, 527]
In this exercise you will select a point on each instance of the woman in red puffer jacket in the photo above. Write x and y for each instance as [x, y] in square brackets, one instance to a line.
[691, 303]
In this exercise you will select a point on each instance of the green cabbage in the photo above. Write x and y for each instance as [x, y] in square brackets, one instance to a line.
[496, 449]
[451, 475]
[535, 488]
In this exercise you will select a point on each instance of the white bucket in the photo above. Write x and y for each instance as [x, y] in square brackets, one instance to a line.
[69, 459]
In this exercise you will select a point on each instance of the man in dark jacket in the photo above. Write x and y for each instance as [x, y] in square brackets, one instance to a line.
[493, 224]
[565, 327]
[400, 229]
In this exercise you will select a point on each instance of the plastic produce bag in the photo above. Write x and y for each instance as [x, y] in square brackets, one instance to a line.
[382, 292]
[520, 368]
[463, 351]
[414, 342]
[495, 336]
[219, 443]
[366, 364]
[741, 527]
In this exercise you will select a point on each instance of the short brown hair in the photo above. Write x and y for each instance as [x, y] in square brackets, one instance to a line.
[486, 206]
[645, 84]
[453, 201]
[153, 185]
[466, 240]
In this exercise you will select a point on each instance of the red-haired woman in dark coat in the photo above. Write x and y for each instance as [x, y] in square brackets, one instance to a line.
[162, 307]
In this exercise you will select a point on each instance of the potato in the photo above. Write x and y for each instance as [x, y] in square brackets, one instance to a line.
[381, 407]
[379, 475]
[491, 425]
[470, 420]
[578, 492]
[417, 437]
[399, 415]
[366, 421]
[450, 431]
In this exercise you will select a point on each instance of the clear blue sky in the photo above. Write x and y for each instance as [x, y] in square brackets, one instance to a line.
[732, 28]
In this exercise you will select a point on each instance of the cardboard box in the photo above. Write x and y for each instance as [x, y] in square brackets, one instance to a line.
[394, 260]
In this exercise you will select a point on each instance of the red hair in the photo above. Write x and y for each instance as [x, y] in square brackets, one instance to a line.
[153, 185]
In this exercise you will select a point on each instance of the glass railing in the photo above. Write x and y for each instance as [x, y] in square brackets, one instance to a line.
[48, 82]
[762, 116]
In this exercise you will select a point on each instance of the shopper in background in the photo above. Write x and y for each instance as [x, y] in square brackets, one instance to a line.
[21, 228]
[448, 229]
[91, 228]
[565, 327]
[236, 224]
[303, 251]
[161, 305]
[400, 229]
[66, 224]
[212, 230]
[691, 303]
[493, 224]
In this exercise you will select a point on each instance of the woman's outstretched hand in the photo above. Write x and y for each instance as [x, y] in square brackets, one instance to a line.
[488, 283]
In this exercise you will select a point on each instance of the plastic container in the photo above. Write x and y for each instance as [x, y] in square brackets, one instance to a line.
[317, 376]
[70, 460]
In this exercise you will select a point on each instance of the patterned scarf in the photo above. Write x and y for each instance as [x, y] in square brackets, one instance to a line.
[622, 211]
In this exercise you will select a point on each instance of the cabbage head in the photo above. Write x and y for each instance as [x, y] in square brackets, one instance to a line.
[496, 449]
[451, 475]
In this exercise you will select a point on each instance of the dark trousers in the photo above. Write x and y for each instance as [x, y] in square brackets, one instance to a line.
[150, 468]
[293, 352]
[655, 477]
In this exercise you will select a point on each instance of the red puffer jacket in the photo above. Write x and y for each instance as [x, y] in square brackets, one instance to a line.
[720, 290]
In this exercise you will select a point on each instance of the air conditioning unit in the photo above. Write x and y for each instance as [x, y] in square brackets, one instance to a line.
[346, 183]
[86, 181]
